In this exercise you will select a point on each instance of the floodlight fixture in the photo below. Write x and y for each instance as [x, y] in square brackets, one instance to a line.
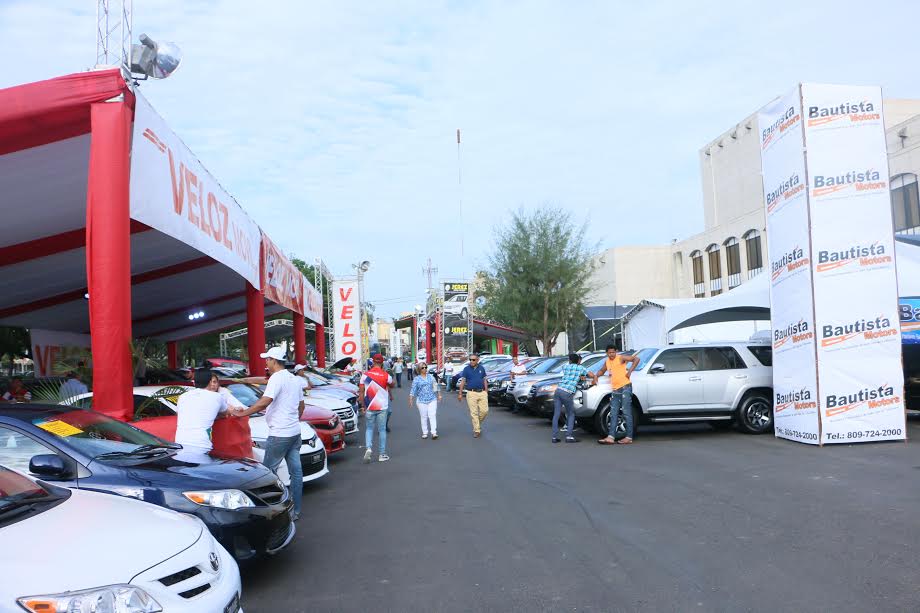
[156, 60]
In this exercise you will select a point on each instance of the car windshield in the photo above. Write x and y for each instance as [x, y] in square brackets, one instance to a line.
[500, 367]
[94, 434]
[594, 363]
[547, 365]
[15, 487]
[246, 394]
[316, 379]
[644, 356]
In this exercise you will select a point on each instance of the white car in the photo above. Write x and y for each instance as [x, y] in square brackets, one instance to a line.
[77, 550]
[457, 305]
[312, 453]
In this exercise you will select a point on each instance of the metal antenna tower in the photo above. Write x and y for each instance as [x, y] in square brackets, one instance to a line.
[114, 22]
[430, 271]
[322, 280]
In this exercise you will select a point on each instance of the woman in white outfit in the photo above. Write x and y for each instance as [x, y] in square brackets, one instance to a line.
[426, 392]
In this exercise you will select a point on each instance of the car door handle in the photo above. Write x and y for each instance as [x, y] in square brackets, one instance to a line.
[696, 378]
[740, 376]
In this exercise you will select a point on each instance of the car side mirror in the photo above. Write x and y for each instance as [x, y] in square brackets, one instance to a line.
[49, 465]
[657, 368]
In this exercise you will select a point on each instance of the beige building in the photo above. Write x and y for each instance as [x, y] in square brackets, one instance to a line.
[732, 247]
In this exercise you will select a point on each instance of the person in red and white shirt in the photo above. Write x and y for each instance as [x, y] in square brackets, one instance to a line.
[374, 394]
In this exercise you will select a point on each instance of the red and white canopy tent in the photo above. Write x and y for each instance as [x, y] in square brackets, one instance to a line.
[101, 199]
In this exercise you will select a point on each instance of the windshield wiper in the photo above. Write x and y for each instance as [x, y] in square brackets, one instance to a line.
[148, 449]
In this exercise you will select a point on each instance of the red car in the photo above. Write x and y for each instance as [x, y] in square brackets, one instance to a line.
[328, 427]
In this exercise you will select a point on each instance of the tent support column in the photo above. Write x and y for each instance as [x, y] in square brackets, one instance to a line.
[514, 348]
[320, 345]
[300, 339]
[428, 341]
[108, 258]
[255, 333]
[172, 355]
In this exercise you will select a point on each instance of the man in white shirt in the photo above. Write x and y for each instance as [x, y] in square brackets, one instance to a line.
[517, 370]
[300, 371]
[282, 402]
[197, 409]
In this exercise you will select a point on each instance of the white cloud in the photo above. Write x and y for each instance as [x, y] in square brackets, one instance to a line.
[334, 123]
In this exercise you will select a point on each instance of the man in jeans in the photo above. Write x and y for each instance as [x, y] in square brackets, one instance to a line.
[572, 373]
[621, 396]
[374, 395]
[282, 402]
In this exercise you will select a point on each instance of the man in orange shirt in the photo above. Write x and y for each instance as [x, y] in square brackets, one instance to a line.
[621, 396]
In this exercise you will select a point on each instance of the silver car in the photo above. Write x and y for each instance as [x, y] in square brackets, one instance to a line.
[723, 384]
[518, 391]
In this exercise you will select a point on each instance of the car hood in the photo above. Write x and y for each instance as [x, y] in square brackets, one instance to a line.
[535, 378]
[258, 427]
[185, 469]
[327, 391]
[54, 551]
[325, 402]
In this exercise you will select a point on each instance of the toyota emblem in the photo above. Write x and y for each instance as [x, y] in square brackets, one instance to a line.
[215, 562]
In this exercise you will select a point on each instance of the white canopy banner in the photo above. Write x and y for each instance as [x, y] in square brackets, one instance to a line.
[51, 346]
[171, 191]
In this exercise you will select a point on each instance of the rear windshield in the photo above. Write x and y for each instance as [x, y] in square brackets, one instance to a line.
[763, 353]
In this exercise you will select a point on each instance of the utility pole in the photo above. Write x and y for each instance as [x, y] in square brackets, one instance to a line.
[431, 272]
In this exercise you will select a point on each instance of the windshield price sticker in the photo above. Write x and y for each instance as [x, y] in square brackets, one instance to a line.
[59, 428]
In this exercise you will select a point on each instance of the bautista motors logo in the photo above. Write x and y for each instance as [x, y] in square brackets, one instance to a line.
[798, 400]
[846, 114]
[841, 336]
[855, 181]
[778, 128]
[870, 398]
[788, 190]
[791, 263]
[792, 335]
[857, 257]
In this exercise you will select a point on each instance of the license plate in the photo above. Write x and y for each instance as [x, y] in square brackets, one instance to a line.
[336, 438]
[234, 605]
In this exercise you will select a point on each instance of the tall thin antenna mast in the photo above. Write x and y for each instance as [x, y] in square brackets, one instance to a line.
[114, 23]
[460, 196]
[430, 271]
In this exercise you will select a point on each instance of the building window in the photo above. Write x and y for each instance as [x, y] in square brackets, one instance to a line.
[754, 254]
[715, 270]
[733, 260]
[905, 204]
[699, 281]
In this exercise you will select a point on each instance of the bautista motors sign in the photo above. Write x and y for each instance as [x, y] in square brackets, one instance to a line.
[837, 371]
[347, 325]
[172, 192]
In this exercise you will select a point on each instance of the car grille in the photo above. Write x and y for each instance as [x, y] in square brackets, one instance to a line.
[511, 386]
[345, 414]
[278, 536]
[312, 462]
[182, 575]
[270, 494]
[201, 589]
[533, 391]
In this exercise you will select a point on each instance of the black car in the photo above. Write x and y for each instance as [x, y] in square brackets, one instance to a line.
[541, 397]
[242, 503]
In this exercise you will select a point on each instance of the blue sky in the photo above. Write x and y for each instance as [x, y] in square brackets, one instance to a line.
[333, 123]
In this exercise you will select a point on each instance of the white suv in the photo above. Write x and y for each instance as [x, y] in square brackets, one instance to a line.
[723, 384]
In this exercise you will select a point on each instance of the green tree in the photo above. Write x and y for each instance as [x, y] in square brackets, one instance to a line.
[14, 343]
[539, 273]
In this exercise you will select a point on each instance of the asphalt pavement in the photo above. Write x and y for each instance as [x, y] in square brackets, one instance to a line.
[686, 519]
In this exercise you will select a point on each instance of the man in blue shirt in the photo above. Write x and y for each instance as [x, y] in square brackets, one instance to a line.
[473, 379]
[572, 374]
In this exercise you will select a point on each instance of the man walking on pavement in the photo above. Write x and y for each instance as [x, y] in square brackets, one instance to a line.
[621, 398]
[398, 370]
[374, 396]
[473, 379]
[282, 402]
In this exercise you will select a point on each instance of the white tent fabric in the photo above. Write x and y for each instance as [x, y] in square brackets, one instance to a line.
[653, 322]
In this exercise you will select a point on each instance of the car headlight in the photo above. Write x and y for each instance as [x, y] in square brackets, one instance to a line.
[333, 422]
[222, 499]
[549, 388]
[114, 598]
[504, 385]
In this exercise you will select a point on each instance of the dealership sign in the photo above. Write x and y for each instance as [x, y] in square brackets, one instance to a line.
[50, 347]
[348, 325]
[282, 282]
[455, 320]
[837, 374]
[172, 192]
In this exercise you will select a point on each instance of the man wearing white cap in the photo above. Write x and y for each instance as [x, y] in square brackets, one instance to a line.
[282, 402]
[301, 371]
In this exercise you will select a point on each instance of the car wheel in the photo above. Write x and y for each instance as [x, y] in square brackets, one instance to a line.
[755, 414]
[602, 417]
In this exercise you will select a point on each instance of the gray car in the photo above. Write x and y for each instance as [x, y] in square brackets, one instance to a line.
[518, 392]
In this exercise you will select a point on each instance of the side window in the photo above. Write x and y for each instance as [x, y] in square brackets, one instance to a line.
[763, 353]
[16, 449]
[680, 360]
[722, 358]
[145, 407]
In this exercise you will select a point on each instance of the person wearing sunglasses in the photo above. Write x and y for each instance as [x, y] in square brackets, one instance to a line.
[426, 393]
[473, 380]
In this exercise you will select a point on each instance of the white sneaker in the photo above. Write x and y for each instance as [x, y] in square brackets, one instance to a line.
[367, 455]
[383, 457]
[424, 436]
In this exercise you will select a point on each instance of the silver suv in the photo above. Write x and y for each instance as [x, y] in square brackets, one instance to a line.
[723, 384]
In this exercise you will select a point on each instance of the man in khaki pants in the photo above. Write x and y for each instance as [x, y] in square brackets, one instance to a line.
[473, 379]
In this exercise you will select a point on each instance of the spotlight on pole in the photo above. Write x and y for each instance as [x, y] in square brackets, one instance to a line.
[154, 60]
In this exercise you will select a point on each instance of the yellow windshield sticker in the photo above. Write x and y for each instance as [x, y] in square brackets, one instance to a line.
[60, 428]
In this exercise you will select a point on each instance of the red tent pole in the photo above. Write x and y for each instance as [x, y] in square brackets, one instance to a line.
[300, 339]
[428, 342]
[255, 333]
[514, 348]
[320, 345]
[108, 258]
[172, 355]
